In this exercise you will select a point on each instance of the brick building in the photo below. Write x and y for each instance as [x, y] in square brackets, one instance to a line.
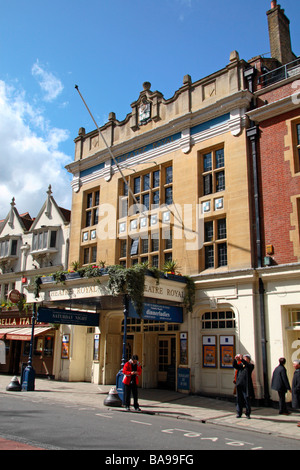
[275, 135]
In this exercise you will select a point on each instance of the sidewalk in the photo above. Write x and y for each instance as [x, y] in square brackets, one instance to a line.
[167, 403]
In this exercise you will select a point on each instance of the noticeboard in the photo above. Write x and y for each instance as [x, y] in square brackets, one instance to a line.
[183, 378]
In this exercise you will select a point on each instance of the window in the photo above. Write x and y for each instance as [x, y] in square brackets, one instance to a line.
[14, 244]
[4, 248]
[213, 172]
[215, 244]
[168, 239]
[169, 175]
[137, 185]
[146, 180]
[169, 195]
[294, 319]
[134, 247]
[217, 320]
[155, 199]
[138, 325]
[155, 244]
[44, 239]
[221, 224]
[8, 247]
[156, 175]
[151, 189]
[123, 249]
[297, 147]
[90, 254]
[145, 245]
[92, 209]
[4, 289]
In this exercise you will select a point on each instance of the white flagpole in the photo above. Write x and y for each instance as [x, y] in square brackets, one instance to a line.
[108, 148]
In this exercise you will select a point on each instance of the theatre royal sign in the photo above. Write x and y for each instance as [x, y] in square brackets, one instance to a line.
[89, 288]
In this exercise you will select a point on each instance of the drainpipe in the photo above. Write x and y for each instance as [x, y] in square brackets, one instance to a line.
[264, 342]
[252, 135]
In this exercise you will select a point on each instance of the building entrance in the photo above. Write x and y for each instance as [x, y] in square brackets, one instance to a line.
[155, 343]
[167, 362]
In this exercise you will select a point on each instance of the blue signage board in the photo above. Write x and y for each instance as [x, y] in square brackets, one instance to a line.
[67, 317]
[158, 312]
[183, 379]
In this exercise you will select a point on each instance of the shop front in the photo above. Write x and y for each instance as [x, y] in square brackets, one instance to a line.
[15, 337]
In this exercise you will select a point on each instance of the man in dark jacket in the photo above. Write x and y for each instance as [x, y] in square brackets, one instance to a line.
[296, 386]
[281, 384]
[244, 385]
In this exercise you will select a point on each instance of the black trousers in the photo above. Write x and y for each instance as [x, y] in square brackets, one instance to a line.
[128, 389]
[282, 403]
[242, 399]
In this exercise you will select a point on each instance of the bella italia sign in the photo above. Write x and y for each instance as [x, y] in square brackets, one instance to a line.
[86, 288]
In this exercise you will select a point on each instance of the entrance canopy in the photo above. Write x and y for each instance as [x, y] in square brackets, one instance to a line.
[88, 292]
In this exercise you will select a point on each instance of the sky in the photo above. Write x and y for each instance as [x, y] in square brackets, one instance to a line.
[108, 48]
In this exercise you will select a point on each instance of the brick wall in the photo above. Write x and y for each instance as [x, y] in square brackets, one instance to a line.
[278, 185]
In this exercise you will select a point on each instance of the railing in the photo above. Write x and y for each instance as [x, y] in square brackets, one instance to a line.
[286, 71]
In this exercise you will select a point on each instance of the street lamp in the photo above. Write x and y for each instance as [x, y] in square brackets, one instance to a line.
[28, 382]
[120, 375]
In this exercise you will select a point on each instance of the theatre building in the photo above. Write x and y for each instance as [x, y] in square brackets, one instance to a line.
[179, 180]
[171, 185]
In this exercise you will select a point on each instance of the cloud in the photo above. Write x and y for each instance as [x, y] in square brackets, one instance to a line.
[30, 156]
[185, 7]
[51, 85]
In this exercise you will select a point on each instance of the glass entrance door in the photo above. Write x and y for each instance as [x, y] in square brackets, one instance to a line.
[166, 362]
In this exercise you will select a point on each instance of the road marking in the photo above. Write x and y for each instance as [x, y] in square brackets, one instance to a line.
[186, 432]
[140, 422]
[104, 416]
[236, 443]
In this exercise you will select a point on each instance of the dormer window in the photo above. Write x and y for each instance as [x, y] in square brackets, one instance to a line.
[8, 247]
[44, 240]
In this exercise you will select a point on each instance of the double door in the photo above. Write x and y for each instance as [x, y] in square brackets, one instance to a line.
[159, 361]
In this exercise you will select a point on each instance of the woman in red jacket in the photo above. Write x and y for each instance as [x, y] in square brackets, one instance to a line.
[131, 370]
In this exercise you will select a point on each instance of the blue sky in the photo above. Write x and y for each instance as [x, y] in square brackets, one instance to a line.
[108, 48]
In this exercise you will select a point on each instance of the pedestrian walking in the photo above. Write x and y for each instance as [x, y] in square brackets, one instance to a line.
[244, 384]
[281, 384]
[296, 386]
[131, 370]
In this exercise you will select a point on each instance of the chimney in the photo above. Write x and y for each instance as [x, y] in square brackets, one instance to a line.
[279, 34]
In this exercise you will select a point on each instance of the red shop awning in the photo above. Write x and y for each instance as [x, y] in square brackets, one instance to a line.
[4, 331]
[24, 334]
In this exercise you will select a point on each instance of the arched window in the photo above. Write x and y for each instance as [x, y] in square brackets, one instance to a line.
[215, 319]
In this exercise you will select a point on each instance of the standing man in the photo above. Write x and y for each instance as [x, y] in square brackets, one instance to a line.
[281, 384]
[131, 370]
[296, 386]
[244, 385]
